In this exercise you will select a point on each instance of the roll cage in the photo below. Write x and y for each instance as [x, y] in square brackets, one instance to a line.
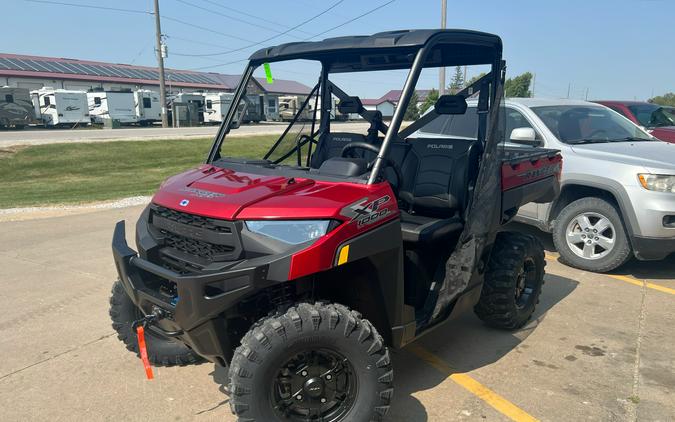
[414, 50]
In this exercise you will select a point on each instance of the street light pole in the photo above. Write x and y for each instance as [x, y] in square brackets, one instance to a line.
[441, 71]
[160, 65]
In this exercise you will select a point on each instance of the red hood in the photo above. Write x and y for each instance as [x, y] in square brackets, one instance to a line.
[666, 133]
[227, 194]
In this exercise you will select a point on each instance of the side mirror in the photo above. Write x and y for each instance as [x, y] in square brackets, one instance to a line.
[450, 104]
[525, 136]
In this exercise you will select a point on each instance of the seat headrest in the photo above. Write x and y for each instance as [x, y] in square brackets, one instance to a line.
[350, 105]
[450, 104]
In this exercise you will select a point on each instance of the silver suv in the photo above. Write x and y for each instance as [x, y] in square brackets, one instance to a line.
[618, 184]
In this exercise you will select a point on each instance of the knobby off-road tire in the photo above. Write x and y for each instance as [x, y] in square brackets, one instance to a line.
[161, 350]
[513, 281]
[596, 209]
[267, 361]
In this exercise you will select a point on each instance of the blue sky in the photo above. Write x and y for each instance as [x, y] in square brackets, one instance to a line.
[617, 49]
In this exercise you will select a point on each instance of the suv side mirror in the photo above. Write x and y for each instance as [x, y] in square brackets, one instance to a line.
[524, 136]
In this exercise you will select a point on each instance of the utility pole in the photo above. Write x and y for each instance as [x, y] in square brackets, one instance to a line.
[569, 86]
[160, 64]
[534, 80]
[587, 89]
[441, 71]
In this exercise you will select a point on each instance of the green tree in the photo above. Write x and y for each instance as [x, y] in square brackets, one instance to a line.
[664, 100]
[412, 112]
[431, 99]
[457, 81]
[475, 78]
[518, 86]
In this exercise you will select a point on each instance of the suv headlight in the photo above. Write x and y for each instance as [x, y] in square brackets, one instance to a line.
[657, 182]
[292, 232]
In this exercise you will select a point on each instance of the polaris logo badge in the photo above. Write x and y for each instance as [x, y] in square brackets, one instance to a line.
[184, 203]
[439, 146]
[199, 193]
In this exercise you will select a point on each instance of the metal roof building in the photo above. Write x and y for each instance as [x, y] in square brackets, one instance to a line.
[34, 72]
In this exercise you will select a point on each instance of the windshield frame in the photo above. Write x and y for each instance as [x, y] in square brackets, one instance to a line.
[493, 82]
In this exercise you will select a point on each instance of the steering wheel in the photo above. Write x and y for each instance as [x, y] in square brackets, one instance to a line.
[388, 162]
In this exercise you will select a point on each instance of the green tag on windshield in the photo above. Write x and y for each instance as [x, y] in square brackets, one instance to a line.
[268, 73]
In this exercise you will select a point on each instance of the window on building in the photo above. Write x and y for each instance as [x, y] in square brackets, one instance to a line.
[271, 105]
[209, 104]
[146, 102]
[97, 100]
[47, 100]
[9, 98]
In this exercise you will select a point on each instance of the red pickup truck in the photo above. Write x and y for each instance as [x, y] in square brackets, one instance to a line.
[658, 121]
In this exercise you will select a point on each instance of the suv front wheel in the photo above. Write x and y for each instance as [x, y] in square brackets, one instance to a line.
[589, 234]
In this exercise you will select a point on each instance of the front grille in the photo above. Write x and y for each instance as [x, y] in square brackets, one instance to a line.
[195, 247]
[189, 242]
[191, 219]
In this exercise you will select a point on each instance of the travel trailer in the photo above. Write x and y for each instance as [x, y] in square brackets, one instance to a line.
[60, 107]
[289, 106]
[16, 108]
[216, 106]
[115, 105]
[147, 106]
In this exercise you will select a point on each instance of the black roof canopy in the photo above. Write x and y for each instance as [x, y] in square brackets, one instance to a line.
[390, 50]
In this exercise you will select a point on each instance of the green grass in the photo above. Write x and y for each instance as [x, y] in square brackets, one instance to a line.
[78, 173]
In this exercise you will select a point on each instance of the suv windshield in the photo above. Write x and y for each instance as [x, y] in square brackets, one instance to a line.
[585, 124]
[651, 115]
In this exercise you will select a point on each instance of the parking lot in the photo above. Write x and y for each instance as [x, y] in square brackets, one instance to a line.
[598, 347]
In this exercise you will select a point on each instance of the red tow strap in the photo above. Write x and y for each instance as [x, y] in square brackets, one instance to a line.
[144, 351]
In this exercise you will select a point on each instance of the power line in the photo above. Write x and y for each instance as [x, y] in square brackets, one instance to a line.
[91, 6]
[203, 28]
[250, 15]
[352, 20]
[306, 39]
[334, 5]
[230, 17]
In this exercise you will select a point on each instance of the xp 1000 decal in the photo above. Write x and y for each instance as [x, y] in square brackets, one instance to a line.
[366, 211]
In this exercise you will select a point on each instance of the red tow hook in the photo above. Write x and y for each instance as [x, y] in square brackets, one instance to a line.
[140, 332]
[139, 326]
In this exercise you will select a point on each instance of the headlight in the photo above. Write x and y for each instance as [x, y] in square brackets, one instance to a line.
[657, 182]
[293, 232]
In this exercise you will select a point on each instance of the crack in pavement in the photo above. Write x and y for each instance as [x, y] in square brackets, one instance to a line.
[213, 408]
[2, 377]
[634, 399]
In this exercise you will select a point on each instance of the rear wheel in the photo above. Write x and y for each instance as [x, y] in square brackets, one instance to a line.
[161, 350]
[513, 281]
[314, 362]
[589, 235]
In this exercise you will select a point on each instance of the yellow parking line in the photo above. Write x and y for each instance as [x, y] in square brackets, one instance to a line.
[498, 402]
[627, 279]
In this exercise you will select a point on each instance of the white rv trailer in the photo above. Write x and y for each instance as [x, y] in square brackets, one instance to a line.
[216, 106]
[115, 105]
[61, 107]
[147, 106]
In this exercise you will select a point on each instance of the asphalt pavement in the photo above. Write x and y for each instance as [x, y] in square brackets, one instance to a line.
[600, 347]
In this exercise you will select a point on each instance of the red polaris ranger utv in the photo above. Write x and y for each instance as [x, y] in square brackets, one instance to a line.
[301, 268]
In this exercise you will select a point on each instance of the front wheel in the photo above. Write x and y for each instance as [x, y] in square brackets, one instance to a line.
[589, 234]
[314, 362]
[161, 350]
[512, 282]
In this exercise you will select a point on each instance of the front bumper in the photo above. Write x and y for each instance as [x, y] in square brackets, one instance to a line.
[193, 316]
[653, 248]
